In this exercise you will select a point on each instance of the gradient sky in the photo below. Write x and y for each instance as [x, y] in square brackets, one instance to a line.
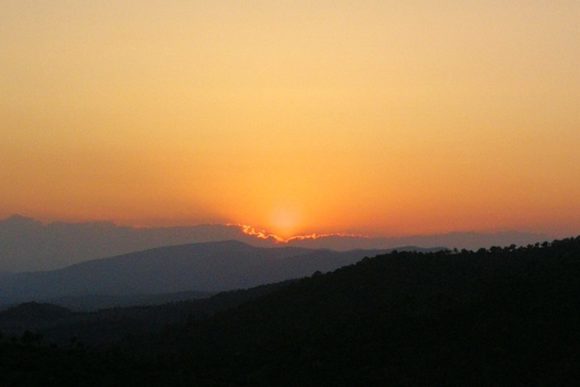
[378, 117]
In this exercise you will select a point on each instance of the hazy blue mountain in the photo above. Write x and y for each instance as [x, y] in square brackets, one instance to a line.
[29, 245]
[459, 240]
[206, 267]
[106, 326]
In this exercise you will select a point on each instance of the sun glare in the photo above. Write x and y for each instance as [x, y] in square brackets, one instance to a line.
[284, 222]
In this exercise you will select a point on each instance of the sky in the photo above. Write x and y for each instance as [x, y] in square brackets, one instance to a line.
[373, 117]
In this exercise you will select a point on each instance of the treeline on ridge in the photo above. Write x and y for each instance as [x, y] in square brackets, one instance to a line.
[506, 316]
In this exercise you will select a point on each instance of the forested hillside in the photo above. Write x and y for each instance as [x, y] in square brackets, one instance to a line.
[503, 316]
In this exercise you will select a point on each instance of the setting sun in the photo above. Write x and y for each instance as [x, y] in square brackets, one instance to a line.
[285, 222]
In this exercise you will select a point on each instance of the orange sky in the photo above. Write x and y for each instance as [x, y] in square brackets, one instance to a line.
[376, 117]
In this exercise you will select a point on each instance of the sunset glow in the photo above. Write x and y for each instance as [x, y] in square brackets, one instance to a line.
[264, 234]
[302, 118]
[285, 221]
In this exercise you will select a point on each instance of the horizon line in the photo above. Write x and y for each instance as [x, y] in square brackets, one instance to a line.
[266, 235]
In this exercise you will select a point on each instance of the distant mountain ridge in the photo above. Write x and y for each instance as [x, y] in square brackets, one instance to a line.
[27, 244]
[205, 267]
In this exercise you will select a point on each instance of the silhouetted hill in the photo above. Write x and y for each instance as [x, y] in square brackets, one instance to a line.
[205, 267]
[503, 316]
[103, 327]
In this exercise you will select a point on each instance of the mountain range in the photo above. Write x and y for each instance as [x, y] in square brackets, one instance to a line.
[27, 244]
[201, 267]
[501, 316]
